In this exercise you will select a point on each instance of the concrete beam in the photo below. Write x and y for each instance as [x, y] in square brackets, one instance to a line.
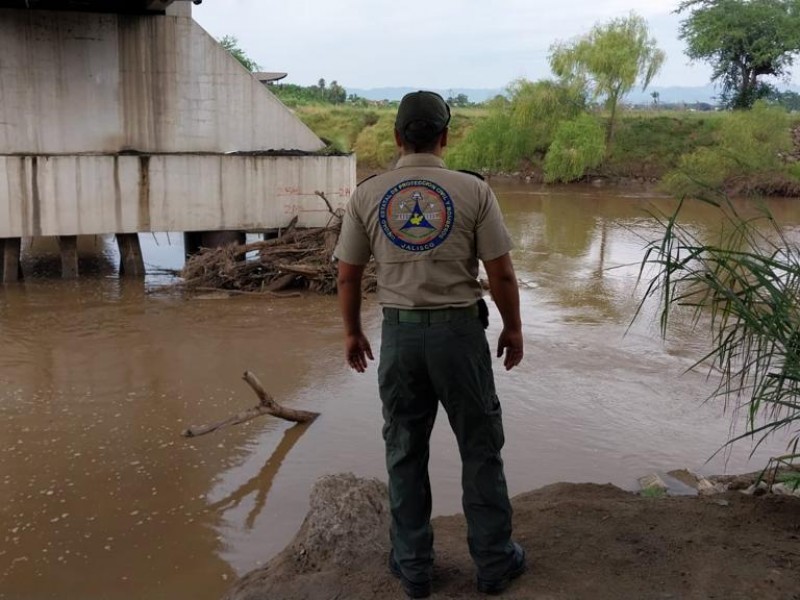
[101, 194]
[68, 245]
[179, 9]
[131, 261]
[10, 266]
[157, 5]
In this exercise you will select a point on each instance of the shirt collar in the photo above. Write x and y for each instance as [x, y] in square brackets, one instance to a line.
[420, 160]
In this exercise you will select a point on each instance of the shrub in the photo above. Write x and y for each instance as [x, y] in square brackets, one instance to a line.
[579, 145]
[748, 152]
[517, 130]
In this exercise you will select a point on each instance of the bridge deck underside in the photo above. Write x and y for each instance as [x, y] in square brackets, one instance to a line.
[102, 6]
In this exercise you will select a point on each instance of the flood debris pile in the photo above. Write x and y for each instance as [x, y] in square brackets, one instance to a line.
[296, 259]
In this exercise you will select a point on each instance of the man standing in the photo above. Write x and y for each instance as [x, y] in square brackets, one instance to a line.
[427, 227]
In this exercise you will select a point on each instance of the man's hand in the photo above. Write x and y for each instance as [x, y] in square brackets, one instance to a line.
[356, 345]
[511, 342]
[357, 350]
[503, 284]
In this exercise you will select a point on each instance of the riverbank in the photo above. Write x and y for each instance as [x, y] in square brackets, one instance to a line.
[648, 147]
[583, 541]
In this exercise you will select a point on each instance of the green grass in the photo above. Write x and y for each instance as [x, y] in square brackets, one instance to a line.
[341, 125]
[651, 144]
[653, 492]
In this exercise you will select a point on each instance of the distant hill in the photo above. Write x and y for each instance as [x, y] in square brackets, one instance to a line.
[674, 95]
[667, 94]
[396, 93]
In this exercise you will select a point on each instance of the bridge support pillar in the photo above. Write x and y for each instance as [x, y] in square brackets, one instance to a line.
[10, 266]
[68, 245]
[131, 261]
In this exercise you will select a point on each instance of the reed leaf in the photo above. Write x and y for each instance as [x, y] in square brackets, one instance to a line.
[744, 290]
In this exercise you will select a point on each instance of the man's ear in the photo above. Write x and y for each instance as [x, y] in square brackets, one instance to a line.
[443, 141]
[398, 139]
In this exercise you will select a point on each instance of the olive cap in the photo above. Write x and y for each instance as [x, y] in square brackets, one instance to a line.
[422, 107]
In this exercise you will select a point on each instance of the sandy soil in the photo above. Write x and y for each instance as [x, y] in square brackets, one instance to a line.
[588, 541]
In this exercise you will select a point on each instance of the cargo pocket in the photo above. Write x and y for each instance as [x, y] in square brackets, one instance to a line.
[495, 424]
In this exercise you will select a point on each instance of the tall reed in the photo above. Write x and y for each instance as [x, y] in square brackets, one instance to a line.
[744, 291]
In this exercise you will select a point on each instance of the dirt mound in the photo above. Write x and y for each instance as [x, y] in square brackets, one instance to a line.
[583, 541]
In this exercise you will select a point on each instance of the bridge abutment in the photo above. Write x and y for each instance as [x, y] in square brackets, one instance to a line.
[100, 134]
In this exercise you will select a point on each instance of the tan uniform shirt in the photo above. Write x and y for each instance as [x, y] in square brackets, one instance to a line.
[426, 226]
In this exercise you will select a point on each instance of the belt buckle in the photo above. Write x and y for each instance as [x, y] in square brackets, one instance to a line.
[405, 315]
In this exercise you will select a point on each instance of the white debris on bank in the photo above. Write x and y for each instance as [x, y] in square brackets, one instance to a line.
[684, 482]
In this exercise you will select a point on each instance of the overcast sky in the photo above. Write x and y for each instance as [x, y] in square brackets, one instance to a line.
[429, 43]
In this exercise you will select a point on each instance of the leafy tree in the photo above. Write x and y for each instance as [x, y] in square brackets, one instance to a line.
[231, 44]
[357, 100]
[609, 60]
[656, 98]
[295, 95]
[335, 93]
[744, 41]
[458, 101]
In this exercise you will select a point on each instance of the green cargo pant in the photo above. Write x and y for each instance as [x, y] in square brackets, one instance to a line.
[420, 365]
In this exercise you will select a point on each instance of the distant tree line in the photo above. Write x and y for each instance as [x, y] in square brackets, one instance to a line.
[321, 93]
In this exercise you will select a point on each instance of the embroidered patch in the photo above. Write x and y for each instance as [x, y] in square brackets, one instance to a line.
[416, 215]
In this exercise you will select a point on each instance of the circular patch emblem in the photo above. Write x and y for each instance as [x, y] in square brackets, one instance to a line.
[416, 215]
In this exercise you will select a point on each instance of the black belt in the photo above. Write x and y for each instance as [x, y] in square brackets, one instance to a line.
[427, 316]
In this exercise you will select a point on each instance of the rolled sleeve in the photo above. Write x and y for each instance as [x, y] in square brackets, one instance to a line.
[492, 239]
[353, 245]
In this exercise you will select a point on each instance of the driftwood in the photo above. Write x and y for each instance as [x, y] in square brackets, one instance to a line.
[297, 259]
[265, 406]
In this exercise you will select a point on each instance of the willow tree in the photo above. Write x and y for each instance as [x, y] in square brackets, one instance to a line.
[609, 61]
[743, 41]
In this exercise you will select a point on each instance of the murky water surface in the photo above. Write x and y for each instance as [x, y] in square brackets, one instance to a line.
[100, 496]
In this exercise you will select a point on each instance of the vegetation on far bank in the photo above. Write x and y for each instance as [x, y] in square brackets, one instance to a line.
[746, 151]
[575, 125]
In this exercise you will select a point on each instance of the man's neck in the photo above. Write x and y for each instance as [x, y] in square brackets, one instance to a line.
[438, 152]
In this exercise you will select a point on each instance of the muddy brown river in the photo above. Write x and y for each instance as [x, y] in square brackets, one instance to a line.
[100, 496]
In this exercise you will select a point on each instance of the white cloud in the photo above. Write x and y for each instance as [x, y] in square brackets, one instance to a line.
[428, 43]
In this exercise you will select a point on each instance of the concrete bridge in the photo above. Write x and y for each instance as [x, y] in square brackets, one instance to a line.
[120, 117]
